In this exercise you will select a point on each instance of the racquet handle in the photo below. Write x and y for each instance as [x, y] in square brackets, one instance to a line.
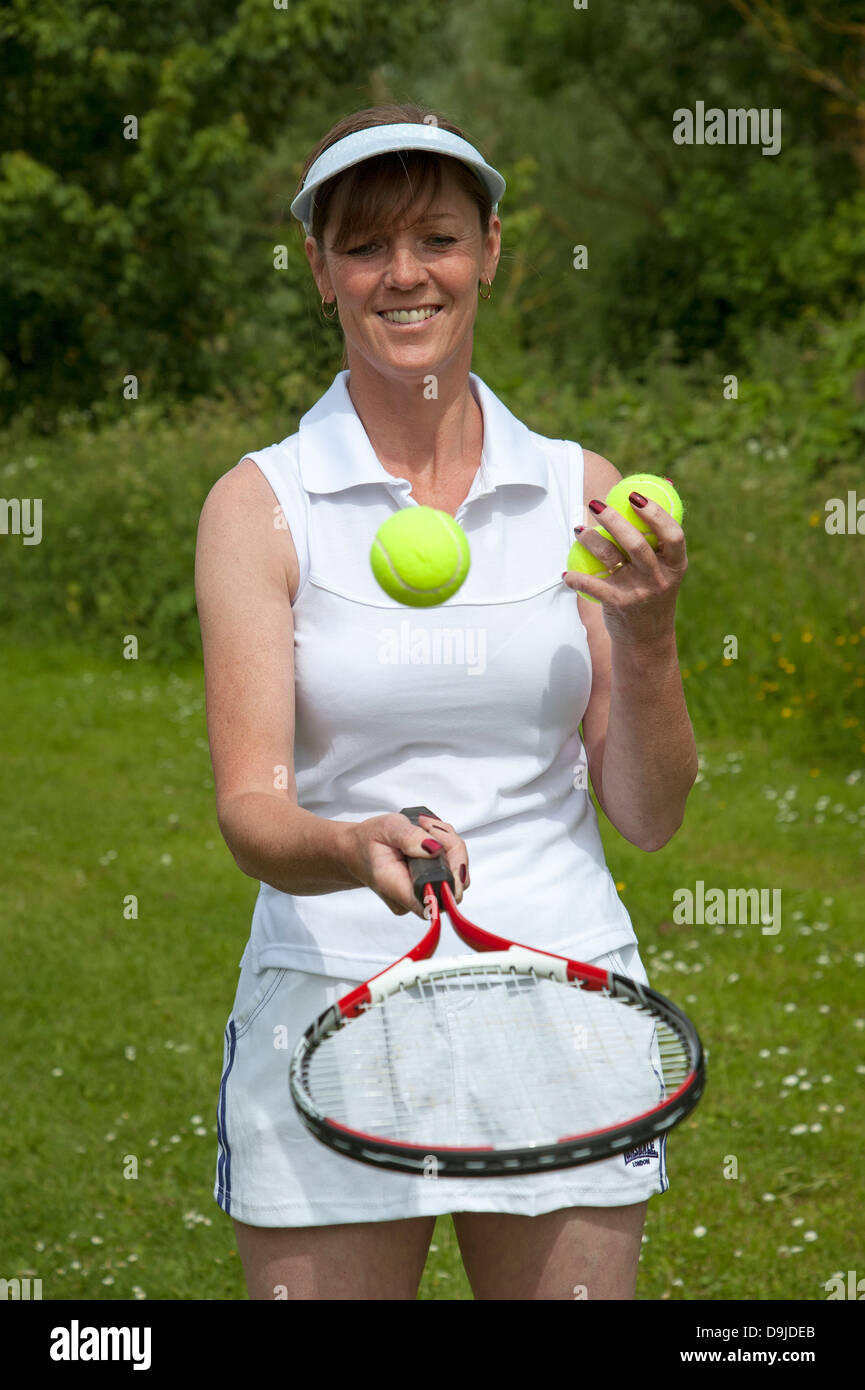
[424, 871]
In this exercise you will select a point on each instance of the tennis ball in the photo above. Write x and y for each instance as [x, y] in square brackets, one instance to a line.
[584, 562]
[649, 485]
[656, 489]
[420, 556]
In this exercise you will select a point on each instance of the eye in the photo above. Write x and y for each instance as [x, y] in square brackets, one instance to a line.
[369, 246]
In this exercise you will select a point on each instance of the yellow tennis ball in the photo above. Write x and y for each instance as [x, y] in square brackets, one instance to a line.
[649, 485]
[656, 489]
[584, 562]
[420, 556]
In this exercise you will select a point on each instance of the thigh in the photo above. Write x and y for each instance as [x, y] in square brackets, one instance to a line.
[576, 1253]
[365, 1260]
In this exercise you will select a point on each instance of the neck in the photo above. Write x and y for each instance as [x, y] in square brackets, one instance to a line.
[425, 438]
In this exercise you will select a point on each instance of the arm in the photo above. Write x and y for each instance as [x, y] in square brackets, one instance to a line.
[638, 736]
[244, 571]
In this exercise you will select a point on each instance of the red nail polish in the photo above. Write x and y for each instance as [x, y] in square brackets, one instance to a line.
[668, 480]
[578, 530]
[431, 846]
[637, 499]
[596, 506]
[564, 572]
[462, 873]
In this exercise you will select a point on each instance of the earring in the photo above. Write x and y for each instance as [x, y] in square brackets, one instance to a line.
[490, 291]
[333, 302]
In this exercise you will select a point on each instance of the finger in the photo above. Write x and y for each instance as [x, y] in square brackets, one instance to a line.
[594, 586]
[400, 895]
[601, 547]
[669, 533]
[456, 859]
[626, 536]
[429, 844]
[393, 881]
[453, 851]
[666, 531]
[664, 526]
[428, 849]
[419, 843]
[435, 823]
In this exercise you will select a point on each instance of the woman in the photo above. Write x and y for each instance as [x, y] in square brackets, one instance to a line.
[330, 707]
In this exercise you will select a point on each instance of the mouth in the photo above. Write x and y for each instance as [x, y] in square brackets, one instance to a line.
[410, 318]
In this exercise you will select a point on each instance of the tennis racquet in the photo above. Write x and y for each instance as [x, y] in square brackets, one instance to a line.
[513, 1060]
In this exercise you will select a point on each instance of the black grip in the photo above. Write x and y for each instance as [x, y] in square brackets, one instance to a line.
[424, 871]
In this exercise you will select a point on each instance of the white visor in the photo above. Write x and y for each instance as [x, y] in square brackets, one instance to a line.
[382, 139]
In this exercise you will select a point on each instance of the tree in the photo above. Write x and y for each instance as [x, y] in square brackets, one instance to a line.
[128, 133]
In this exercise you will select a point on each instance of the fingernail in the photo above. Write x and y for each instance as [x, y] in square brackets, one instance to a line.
[564, 572]
[462, 873]
[668, 480]
[431, 846]
[637, 499]
[578, 529]
[596, 506]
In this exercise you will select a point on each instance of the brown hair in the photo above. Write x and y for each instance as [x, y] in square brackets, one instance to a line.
[379, 191]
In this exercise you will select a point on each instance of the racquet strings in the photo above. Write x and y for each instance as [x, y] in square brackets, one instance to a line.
[482, 1056]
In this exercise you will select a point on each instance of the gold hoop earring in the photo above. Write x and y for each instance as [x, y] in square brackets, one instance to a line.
[329, 316]
[489, 295]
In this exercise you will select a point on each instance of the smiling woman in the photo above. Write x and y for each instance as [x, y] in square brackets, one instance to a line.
[317, 737]
[422, 212]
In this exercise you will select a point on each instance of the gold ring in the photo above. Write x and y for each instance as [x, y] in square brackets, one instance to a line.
[615, 568]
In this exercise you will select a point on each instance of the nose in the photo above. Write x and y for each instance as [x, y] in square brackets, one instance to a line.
[404, 269]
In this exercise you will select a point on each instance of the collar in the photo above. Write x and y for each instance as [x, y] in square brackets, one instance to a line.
[335, 453]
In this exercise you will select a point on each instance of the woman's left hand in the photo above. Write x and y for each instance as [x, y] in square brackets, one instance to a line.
[639, 598]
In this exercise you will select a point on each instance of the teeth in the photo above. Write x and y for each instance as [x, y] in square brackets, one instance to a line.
[409, 315]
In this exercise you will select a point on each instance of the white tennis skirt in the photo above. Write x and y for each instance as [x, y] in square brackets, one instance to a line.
[270, 1171]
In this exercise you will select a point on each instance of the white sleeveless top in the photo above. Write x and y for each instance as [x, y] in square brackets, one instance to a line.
[471, 708]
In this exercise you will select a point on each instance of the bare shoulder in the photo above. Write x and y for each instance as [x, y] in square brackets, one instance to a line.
[599, 475]
[242, 511]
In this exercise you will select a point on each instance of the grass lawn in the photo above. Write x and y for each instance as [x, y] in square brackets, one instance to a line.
[124, 918]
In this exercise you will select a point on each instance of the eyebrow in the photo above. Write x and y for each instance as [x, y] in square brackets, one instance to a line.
[427, 219]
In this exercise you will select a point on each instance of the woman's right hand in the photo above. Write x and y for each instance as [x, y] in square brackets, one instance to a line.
[380, 845]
